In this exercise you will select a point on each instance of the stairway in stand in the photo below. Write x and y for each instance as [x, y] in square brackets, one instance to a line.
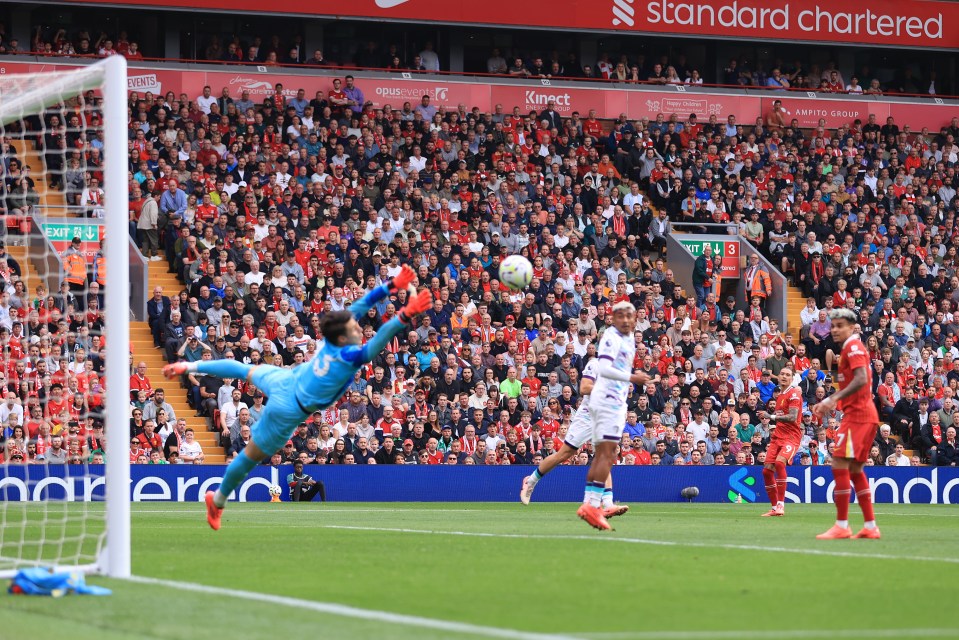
[21, 254]
[795, 301]
[52, 201]
[142, 342]
[53, 204]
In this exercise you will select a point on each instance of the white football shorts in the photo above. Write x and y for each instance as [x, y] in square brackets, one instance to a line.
[608, 417]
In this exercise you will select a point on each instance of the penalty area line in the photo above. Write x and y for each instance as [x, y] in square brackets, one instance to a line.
[660, 543]
[346, 611]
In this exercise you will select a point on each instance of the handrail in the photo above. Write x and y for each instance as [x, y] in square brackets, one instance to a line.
[61, 207]
[695, 228]
[765, 90]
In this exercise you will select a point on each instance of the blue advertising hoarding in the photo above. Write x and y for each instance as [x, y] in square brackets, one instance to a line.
[183, 483]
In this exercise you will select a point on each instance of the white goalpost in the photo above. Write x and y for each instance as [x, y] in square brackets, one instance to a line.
[64, 417]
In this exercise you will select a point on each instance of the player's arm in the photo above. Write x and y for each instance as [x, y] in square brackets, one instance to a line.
[606, 354]
[790, 416]
[794, 409]
[402, 280]
[860, 378]
[358, 355]
[607, 370]
[586, 386]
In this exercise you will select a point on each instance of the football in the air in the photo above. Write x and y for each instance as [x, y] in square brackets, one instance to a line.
[515, 272]
[275, 490]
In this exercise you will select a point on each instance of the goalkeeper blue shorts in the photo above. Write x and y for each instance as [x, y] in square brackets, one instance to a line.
[282, 413]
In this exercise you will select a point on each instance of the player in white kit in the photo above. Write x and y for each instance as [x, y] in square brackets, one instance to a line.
[580, 430]
[607, 406]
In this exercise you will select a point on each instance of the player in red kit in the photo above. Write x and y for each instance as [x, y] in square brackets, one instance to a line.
[857, 430]
[783, 442]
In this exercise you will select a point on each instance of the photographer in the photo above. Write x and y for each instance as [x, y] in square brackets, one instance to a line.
[303, 488]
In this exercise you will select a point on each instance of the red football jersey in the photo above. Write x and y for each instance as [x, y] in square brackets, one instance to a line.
[787, 401]
[859, 406]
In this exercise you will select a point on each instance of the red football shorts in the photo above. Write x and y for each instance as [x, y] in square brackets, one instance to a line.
[782, 448]
[854, 440]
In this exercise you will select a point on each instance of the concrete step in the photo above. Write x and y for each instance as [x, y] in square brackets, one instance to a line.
[49, 198]
[142, 340]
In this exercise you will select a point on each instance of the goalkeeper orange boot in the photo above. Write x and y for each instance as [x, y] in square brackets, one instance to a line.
[213, 512]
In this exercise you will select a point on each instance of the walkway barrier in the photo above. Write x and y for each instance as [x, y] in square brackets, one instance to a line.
[50, 237]
[685, 244]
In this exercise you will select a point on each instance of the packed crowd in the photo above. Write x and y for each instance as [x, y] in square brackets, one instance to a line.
[270, 225]
[626, 67]
[274, 213]
[52, 375]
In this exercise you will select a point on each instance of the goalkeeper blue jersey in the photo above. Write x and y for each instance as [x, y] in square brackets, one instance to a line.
[322, 381]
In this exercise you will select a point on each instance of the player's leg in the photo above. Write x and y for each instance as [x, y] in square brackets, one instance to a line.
[236, 472]
[607, 423]
[610, 508]
[769, 481]
[769, 472]
[860, 483]
[603, 458]
[308, 494]
[225, 368]
[841, 494]
[774, 473]
[580, 430]
[551, 462]
[782, 479]
[270, 432]
[599, 470]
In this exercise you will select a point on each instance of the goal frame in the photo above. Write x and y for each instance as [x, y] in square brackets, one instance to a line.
[114, 557]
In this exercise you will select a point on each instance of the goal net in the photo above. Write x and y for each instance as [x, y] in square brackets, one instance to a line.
[64, 328]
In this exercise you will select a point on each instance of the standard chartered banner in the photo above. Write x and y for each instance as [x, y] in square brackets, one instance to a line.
[181, 483]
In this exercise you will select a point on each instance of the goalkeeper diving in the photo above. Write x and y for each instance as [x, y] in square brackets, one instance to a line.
[294, 394]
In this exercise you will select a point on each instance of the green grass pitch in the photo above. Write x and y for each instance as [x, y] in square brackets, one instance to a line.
[668, 571]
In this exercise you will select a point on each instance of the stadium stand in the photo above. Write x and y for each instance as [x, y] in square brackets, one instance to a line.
[254, 226]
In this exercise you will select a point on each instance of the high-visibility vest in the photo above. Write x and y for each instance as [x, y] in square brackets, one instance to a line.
[101, 267]
[76, 269]
[760, 284]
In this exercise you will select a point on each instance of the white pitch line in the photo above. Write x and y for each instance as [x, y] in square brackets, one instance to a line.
[918, 515]
[347, 611]
[660, 543]
[328, 510]
[797, 634]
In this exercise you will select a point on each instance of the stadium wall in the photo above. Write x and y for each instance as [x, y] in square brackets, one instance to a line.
[809, 108]
[918, 485]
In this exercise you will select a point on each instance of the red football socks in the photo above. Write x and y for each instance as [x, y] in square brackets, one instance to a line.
[863, 495]
[781, 481]
[841, 494]
[770, 478]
